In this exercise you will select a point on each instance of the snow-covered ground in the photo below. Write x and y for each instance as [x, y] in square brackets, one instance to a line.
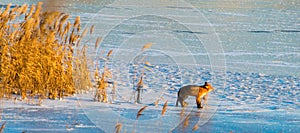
[251, 102]
[255, 71]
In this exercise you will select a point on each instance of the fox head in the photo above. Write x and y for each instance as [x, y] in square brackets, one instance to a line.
[208, 87]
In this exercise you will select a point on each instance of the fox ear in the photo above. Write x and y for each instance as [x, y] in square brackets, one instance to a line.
[205, 83]
[206, 86]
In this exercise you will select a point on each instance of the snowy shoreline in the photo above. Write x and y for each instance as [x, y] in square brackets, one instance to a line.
[268, 100]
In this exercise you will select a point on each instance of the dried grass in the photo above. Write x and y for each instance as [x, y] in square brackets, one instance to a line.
[77, 23]
[139, 89]
[84, 32]
[102, 81]
[186, 121]
[140, 112]
[164, 108]
[109, 53]
[92, 29]
[2, 127]
[182, 114]
[147, 63]
[118, 127]
[97, 42]
[196, 127]
[36, 54]
[146, 46]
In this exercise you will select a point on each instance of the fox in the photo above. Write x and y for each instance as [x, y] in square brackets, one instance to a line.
[199, 92]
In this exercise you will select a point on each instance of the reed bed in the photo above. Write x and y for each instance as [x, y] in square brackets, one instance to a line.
[37, 51]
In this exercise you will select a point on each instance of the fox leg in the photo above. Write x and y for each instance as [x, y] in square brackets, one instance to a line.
[198, 102]
[180, 101]
[183, 103]
[178, 96]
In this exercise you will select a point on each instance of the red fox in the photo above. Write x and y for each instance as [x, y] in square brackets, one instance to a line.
[193, 90]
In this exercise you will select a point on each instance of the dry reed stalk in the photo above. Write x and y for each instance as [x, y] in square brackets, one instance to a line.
[164, 108]
[77, 23]
[71, 38]
[92, 29]
[140, 112]
[186, 121]
[97, 42]
[37, 10]
[140, 82]
[30, 12]
[196, 127]
[5, 12]
[61, 24]
[118, 127]
[24, 9]
[113, 92]
[148, 45]
[109, 53]
[67, 29]
[100, 95]
[84, 32]
[156, 102]
[147, 63]
[181, 114]
[2, 127]
[147, 68]
[102, 82]
[139, 88]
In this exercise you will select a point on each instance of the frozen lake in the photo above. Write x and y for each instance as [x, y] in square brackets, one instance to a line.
[249, 50]
[256, 36]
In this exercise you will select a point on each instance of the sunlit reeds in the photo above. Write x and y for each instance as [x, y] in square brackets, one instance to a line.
[101, 79]
[37, 54]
